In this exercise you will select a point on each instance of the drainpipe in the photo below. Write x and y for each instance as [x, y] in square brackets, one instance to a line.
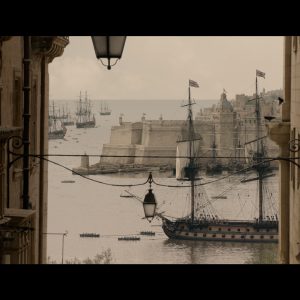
[42, 162]
[26, 118]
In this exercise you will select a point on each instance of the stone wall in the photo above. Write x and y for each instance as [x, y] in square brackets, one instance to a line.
[161, 133]
[159, 138]
[30, 246]
[295, 134]
[126, 134]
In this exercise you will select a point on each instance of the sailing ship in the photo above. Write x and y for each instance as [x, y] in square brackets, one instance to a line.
[85, 119]
[104, 110]
[203, 223]
[67, 120]
[57, 130]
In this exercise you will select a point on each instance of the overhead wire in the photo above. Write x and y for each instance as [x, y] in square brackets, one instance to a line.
[91, 179]
[155, 182]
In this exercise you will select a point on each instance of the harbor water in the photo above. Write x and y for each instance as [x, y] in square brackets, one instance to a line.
[78, 205]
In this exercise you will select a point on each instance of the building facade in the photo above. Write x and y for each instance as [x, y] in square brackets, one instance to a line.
[23, 228]
[287, 135]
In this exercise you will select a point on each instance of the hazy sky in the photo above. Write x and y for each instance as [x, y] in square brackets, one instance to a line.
[159, 68]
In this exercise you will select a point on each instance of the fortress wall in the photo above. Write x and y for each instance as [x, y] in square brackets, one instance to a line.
[152, 151]
[160, 135]
[159, 138]
[136, 133]
[126, 134]
[120, 135]
[109, 149]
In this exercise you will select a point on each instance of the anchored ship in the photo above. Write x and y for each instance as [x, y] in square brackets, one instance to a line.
[57, 130]
[85, 119]
[104, 110]
[203, 223]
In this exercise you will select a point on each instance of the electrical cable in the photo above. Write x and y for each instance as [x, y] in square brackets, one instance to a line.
[98, 181]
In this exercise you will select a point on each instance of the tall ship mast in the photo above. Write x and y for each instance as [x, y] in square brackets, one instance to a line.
[104, 110]
[204, 222]
[85, 118]
[68, 120]
[56, 130]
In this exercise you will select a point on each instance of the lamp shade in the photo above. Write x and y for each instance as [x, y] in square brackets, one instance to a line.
[149, 205]
[108, 46]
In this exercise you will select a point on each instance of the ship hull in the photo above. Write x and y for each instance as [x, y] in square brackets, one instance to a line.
[68, 123]
[90, 124]
[222, 230]
[54, 135]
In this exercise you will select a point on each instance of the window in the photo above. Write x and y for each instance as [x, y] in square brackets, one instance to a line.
[219, 229]
[213, 235]
[204, 234]
[242, 236]
[271, 237]
[238, 229]
[248, 229]
[251, 236]
[209, 228]
[233, 236]
[223, 235]
[186, 233]
[229, 229]
[261, 236]
[195, 234]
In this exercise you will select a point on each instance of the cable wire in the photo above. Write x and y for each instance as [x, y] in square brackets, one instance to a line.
[91, 179]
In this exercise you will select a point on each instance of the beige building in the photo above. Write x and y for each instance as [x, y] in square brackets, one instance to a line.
[287, 135]
[22, 230]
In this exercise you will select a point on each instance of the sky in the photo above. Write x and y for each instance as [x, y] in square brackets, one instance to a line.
[159, 67]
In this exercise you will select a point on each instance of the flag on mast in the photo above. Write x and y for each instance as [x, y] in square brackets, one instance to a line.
[193, 83]
[260, 74]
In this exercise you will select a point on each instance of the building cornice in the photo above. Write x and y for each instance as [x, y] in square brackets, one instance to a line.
[279, 132]
[49, 46]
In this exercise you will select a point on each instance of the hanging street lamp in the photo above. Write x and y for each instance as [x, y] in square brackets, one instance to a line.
[108, 47]
[149, 203]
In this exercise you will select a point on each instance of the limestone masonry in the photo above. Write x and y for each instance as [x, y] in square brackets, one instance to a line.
[229, 123]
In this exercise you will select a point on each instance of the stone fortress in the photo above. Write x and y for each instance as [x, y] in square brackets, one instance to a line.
[230, 124]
